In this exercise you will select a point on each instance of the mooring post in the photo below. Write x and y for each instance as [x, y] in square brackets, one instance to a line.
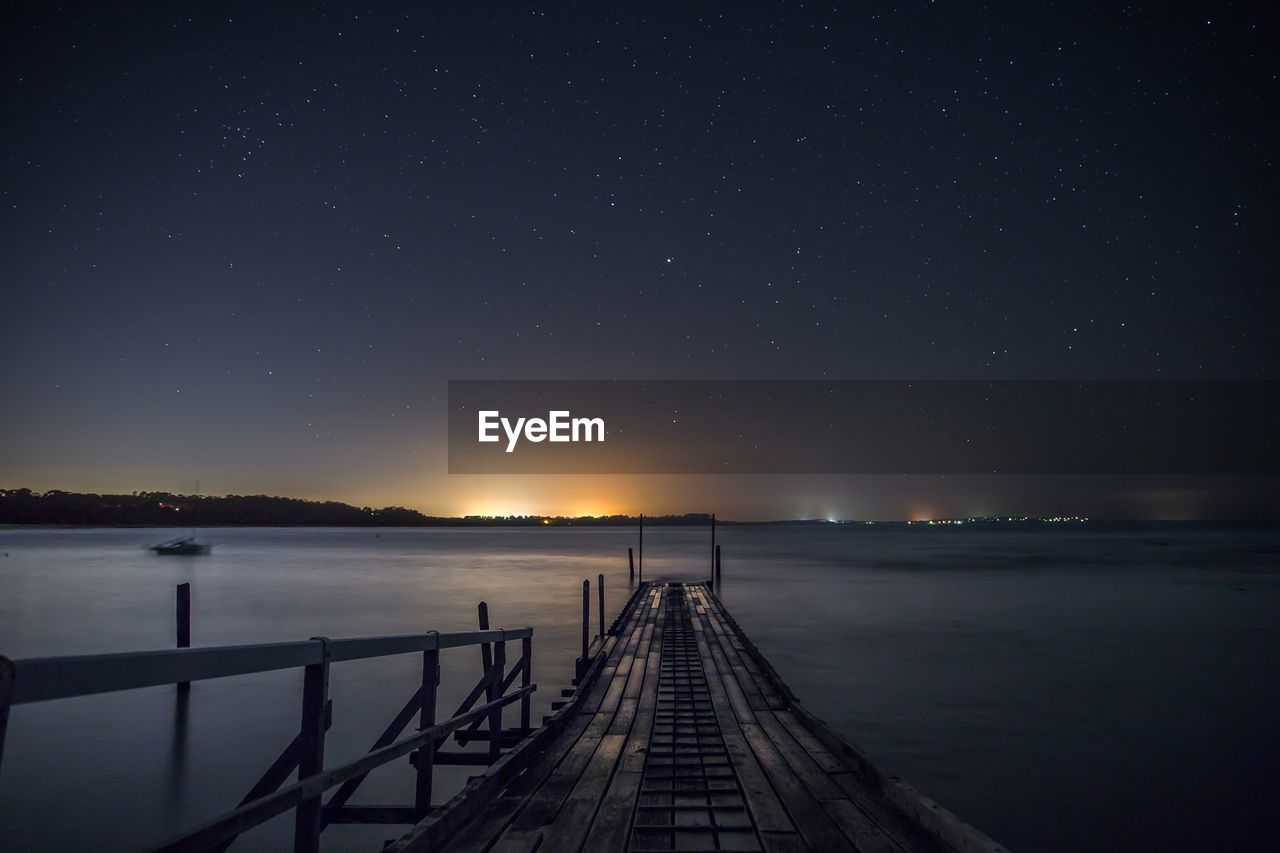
[493, 694]
[642, 547]
[8, 672]
[713, 546]
[631, 566]
[586, 625]
[717, 565]
[600, 592]
[184, 624]
[315, 697]
[526, 678]
[426, 719]
[486, 654]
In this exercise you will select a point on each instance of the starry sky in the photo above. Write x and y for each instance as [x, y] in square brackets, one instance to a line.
[248, 246]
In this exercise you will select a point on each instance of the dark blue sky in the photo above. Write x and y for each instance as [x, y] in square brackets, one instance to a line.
[249, 246]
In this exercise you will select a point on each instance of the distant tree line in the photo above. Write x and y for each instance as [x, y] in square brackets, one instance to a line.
[163, 509]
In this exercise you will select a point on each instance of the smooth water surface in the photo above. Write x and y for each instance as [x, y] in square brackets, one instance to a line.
[1061, 689]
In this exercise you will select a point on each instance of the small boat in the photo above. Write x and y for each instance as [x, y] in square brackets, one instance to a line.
[182, 546]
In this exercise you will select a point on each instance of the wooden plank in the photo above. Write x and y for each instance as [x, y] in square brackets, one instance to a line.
[814, 824]
[853, 822]
[611, 828]
[767, 811]
[572, 824]
[825, 758]
[861, 782]
[522, 831]
[487, 811]
[818, 830]
[572, 821]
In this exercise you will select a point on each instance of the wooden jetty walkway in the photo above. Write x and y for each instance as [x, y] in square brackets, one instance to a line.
[679, 735]
[682, 737]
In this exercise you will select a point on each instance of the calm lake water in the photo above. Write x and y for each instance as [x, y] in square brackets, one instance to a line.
[1061, 689]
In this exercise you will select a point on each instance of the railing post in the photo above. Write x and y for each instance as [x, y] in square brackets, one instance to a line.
[184, 624]
[631, 566]
[427, 719]
[526, 678]
[493, 693]
[482, 617]
[600, 593]
[315, 696]
[8, 673]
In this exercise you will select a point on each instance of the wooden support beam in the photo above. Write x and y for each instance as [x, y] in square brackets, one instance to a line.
[375, 814]
[510, 737]
[227, 827]
[463, 759]
[339, 799]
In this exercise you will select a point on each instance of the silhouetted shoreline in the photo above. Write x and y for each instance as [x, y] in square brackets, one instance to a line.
[24, 508]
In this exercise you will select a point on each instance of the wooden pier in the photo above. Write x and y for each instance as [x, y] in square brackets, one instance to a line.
[678, 735]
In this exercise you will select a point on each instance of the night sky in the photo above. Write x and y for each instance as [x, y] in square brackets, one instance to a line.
[248, 247]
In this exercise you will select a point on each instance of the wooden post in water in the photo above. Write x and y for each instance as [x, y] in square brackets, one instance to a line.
[713, 546]
[717, 565]
[631, 566]
[600, 593]
[184, 624]
[426, 719]
[642, 547]
[486, 654]
[586, 620]
[8, 672]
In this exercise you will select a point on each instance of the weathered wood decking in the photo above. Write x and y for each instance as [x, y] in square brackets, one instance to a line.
[681, 737]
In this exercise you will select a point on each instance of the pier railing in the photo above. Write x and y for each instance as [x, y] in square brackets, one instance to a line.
[40, 679]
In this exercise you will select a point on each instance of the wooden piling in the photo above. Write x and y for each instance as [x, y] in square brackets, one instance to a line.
[631, 565]
[586, 621]
[713, 546]
[600, 592]
[482, 619]
[717, 565]
[642, 547]
[184, 624]
[7, 675]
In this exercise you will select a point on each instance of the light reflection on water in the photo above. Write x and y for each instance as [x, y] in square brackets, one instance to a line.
[1059, 689]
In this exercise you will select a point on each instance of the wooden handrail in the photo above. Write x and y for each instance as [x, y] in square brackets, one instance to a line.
[41, 679]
